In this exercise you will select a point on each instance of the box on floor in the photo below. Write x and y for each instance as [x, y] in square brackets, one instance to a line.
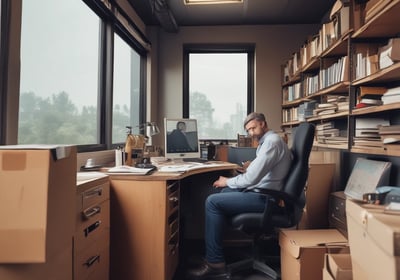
[337, 267]
[303, 251]
[374, 239]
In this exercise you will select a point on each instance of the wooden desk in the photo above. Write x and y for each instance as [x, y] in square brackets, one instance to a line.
[145, 221]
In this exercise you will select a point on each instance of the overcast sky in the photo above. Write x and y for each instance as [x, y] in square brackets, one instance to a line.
[222, 77]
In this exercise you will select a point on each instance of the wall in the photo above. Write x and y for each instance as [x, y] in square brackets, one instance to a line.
[274, 46]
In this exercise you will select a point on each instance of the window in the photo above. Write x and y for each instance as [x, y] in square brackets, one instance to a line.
[59, 73]
[218, 89]
[126, 92]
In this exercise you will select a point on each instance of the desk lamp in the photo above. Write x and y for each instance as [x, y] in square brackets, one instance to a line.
[151, 130]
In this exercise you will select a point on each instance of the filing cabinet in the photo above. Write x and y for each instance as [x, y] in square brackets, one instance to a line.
[337, 212]
[92, 230]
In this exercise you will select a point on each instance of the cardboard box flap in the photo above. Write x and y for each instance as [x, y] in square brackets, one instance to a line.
[297, 240]
[339, 266]
[57, 151]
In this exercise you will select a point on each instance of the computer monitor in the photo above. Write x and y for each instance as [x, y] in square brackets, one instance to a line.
[181, 139]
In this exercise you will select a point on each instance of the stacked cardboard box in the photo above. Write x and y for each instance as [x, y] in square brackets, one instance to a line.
[303, 252]
[37, 185]
[374, 241]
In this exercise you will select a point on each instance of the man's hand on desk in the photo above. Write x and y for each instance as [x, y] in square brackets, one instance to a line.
[221, 182]
[243, 168]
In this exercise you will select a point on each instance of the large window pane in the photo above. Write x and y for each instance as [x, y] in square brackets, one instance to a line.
[59, 73]
[218, 93]
[126, 91]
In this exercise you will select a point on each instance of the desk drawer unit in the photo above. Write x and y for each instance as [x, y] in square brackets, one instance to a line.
[337, 211]
[172, 228]
[92, 231]
[144, 229]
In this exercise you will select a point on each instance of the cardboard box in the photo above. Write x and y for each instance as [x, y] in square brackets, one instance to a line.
[318, 187]
[303, 251]
[374, 239]
[37, 185]
[337, 267]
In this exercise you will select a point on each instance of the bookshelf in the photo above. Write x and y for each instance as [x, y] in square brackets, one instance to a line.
[344, 61]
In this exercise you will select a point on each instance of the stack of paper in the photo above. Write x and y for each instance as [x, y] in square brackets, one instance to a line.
[391, 96]
[390, 136]
[367, 131]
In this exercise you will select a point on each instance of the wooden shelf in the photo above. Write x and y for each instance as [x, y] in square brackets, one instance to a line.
[375, 151]
[331, 146]
[376, 109]
[388, 74]
[384, 24]
[381, 26]
[328, 117]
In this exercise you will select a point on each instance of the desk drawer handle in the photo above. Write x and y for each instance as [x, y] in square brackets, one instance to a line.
[88, 213]
[92, 260]
[96, 192]
[174, 199]
[91, 228]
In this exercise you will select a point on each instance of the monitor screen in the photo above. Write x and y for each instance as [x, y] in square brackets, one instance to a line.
[181, 138]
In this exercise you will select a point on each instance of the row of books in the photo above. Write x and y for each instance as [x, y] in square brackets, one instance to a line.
[372, 57]
[373, 96]
[330, 31]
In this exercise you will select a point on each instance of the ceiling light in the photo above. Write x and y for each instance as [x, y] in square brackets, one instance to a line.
[190, 2]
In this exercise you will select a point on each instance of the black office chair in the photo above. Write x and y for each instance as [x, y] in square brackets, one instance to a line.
[278, 215]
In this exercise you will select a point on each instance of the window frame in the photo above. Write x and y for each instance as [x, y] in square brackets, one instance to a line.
[109, 23]
[188, 49]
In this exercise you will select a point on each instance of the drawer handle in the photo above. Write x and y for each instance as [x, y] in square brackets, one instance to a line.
[173, 199]
[91, 228]
[92, 260]
[96, 192]
[88, 213]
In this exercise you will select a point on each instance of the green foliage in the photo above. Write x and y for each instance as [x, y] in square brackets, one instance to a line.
[56, 120]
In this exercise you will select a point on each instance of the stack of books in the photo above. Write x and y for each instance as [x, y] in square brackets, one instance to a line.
[326, 133]
[367, 132]
[341, 101]
[325, 109]
[306, 110]
[369, 96]
[392, 95]
[390, 136]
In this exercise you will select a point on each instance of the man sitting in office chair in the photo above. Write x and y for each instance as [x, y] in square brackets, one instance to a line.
[239, 194]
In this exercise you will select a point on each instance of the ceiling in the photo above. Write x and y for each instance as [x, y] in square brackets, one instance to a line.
[250, 12]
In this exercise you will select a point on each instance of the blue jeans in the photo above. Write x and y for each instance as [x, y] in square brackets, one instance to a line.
[221, 206]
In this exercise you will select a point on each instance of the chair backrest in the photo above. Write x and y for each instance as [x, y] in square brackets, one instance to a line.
[296, 179]
[292, 192]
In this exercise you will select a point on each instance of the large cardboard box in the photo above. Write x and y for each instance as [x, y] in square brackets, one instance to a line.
[318, 188]
[303, 251]
[37, 186]
[374, 239]
[337, 267]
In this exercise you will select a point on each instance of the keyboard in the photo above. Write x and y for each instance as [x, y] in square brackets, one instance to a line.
[200, 160]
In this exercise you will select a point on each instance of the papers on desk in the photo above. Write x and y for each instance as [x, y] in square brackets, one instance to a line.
[184, 167]
[126, 169]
